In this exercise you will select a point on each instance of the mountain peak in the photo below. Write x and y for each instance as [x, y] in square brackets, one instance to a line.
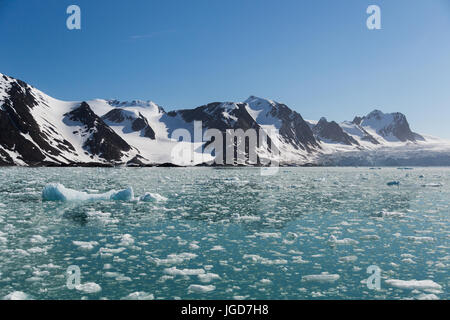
[255, 101]
[391, 126]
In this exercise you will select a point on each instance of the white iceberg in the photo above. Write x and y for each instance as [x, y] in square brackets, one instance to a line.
[196, 288]
[323, 277]
[140, 295]
[346, 241]
[57, 192]
[152, 197]
[414, 284]
[89, 287]
[17, 295]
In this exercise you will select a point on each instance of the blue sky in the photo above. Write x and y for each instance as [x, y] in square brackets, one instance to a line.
[317, 56]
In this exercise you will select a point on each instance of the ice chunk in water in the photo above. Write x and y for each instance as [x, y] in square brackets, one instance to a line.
[57, 192]
[17, 295]
[152, 197]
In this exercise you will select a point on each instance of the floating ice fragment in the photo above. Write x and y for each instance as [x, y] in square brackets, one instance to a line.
[323, 277]
[425, 296]
[347, 241]
[38, 239]
[89, 287]
[123, 195]
[420, 239]
[17, 295]
[414, 284]
[432, 185]
[57, 192]
[174, 258]
[370, 237]
[85, 245]
[388, 214]
[183, 272]
[152, 197]
[208, 277]
[140, 295]
[126, 240]
[196, 288]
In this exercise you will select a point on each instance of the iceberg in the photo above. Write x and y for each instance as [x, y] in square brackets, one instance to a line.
[57, 192]
[414, 284]
[152, 197]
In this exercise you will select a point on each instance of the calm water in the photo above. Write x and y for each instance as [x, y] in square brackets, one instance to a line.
[227, 233]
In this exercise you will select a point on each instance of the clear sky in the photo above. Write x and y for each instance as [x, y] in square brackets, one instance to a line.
[317, 56]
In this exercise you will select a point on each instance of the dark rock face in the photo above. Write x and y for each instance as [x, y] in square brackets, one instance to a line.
[400, 129]
[5, 159]
[101, 139]
[333, 132]
[223, 117]
[391, 125]
[16, 121]
[137, 161]
[294, 128]
[139, 123]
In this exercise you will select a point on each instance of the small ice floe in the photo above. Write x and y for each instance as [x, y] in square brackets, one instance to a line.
[194, 246]
[85, 245]
[246, 218]
[429, 296]
[420, 239]
[299, 259]
[208, 277]
[432, 185]
[152, 197]
[393, 183]
[139, 295]
[335, 241]
[266, 235]
[57, 192]
[323, 277]
[217, 248]
[89, 287]
[408, 260]
[183, 272]
[348, 259]
[414, 284]
[17, 295]
[369, 237]
[126, 240]
[388, 214]
[196, 288]
[265, 282]
[258, 259]
[174, 258]
[38, 239]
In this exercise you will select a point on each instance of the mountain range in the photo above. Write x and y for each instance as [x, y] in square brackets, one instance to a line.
[38, 130]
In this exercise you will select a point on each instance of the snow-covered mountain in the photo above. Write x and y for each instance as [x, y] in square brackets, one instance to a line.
[36, 129]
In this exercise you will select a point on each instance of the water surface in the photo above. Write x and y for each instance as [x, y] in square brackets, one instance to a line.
[226, 233]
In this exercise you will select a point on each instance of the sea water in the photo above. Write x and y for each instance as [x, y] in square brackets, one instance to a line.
[203, 233]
